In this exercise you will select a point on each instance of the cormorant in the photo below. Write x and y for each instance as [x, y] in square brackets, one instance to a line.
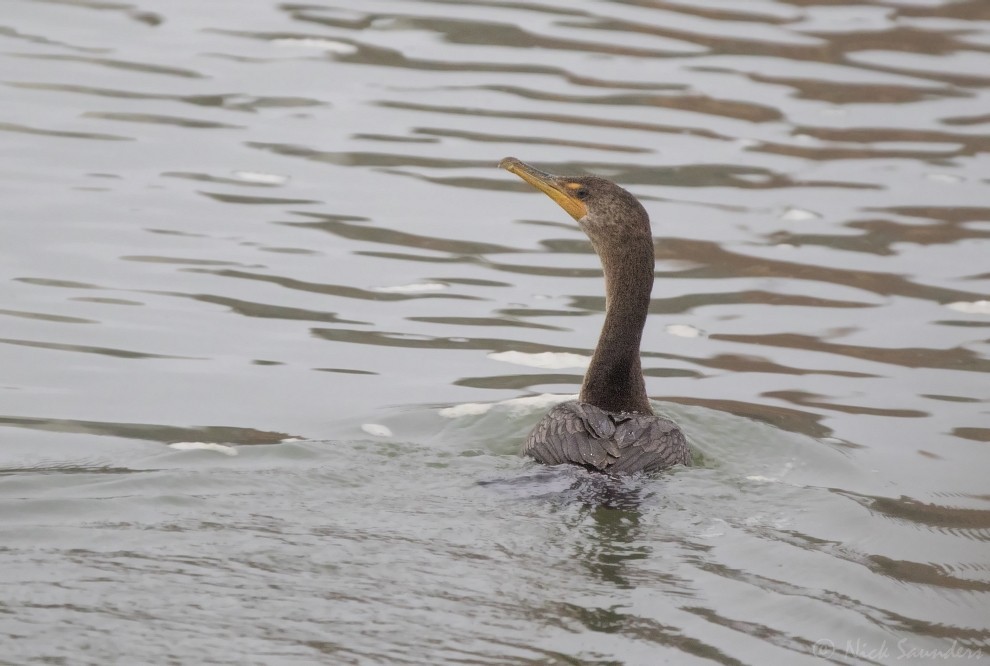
[611, 427]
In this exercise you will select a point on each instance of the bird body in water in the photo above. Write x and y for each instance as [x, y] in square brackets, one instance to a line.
[611, 427]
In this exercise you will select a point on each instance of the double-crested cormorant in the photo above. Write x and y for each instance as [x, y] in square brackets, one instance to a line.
[611, 426]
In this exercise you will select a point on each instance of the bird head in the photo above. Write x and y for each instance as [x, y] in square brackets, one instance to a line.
[604, 211]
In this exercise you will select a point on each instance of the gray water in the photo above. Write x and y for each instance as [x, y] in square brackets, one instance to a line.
[274, 327]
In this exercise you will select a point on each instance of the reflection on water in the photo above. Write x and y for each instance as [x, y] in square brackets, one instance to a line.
[251, 223]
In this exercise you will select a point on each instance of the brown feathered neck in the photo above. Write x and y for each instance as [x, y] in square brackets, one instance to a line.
[614, 381]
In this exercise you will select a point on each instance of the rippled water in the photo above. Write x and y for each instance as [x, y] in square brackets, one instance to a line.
[279, 229]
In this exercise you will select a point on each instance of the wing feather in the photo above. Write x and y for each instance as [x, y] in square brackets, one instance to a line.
[582, 434]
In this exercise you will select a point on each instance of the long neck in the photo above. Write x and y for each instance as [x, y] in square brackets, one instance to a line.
[614, 381]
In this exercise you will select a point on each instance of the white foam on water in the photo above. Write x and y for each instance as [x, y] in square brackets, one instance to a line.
[376, 429]
[261, 178]
[525, 403]
[547, 360]
[331, 45]
[799, 215]
[683, 330]
[944, 177]
[974, 307]
[204, 446]
[415, 288]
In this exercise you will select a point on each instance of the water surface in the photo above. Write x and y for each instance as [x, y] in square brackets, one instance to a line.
[278, 229]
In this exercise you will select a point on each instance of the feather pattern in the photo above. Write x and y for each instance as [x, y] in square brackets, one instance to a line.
[619, 443]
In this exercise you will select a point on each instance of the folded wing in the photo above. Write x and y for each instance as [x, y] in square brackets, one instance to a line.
[582, 434]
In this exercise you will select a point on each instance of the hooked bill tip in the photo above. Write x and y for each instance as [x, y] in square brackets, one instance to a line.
[507, 163]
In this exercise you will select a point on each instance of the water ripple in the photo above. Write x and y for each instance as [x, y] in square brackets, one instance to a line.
[286, 220]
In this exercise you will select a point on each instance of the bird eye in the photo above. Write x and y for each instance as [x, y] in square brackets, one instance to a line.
[581, 193]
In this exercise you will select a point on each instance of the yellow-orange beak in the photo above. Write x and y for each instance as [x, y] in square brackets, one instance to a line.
[554, 187]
